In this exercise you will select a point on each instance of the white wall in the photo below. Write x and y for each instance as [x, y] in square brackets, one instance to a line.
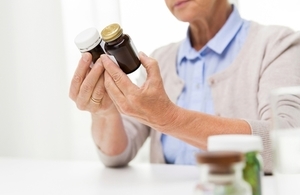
[275, 12]
[35, 110]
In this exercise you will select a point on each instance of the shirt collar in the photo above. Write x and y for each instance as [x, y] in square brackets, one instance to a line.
[218, 43]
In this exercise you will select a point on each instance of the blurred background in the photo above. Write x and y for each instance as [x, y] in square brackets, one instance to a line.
[38, 58]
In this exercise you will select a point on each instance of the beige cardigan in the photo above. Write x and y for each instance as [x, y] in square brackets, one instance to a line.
[270, 58]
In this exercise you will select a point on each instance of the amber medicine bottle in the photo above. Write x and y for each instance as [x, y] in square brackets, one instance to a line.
[121, 47]
[90, 41]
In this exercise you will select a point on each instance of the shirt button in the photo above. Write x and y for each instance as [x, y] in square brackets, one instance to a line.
[212, 81]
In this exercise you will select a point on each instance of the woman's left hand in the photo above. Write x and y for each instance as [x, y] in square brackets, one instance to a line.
[149, 103]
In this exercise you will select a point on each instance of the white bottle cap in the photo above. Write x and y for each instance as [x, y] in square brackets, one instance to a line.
[234, 142]
[87, 39]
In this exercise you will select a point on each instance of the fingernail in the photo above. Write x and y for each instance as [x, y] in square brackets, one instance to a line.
[104, 57]
[143, 54]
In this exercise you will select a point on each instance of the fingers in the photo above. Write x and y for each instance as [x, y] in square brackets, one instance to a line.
[80, 74]
[150, 65]
[99, 91]
[92, 88]
[113, 91]
[118, 81]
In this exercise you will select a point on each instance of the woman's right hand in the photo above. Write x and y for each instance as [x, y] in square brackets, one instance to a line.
[87, 87]
[88, 92]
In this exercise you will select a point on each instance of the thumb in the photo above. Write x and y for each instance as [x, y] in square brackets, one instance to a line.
[150, 64]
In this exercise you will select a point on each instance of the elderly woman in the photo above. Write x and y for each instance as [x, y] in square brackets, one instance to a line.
[217, 80]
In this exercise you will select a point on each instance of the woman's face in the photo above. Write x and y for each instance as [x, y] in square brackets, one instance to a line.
[191, 10]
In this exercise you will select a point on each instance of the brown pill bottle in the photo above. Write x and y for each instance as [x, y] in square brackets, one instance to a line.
[90, 41]
[121, 47]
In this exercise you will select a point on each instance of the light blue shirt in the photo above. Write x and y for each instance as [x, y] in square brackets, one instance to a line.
[194, 68]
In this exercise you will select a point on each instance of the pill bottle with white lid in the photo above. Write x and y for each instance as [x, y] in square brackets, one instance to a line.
[251, 146]
[90, 41]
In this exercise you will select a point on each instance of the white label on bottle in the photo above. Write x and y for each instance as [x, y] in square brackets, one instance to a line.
[113, 59]
[102, 43]
[134, 48]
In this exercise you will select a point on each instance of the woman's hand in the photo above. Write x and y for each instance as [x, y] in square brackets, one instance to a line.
[148, 103]
[88, 92]
[87, 87]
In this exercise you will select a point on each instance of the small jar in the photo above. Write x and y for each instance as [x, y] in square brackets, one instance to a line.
[89, 40]
[250, 146]
[121, 47]
[221, 174]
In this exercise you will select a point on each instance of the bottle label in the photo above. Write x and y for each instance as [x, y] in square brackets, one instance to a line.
[134, 48]
[102, 44]
[113, 59]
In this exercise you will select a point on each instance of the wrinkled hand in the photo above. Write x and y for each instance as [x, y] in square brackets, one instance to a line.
[148, 103]
[87, 87]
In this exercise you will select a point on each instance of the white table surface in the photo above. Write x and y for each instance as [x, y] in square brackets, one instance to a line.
[40, 177]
